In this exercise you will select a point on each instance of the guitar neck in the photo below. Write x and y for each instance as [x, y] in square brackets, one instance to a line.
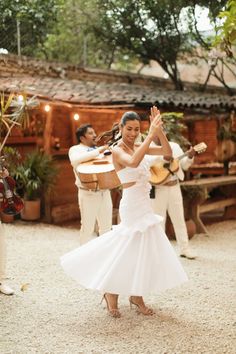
[182, 156]
[199, 148]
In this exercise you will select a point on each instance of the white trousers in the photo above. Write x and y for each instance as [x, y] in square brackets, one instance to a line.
[94, 206]
[169, 199]
[2, 252]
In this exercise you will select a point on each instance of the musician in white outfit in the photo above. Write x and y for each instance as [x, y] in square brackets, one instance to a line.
[168, 198]
[95, 205]
[4, 288]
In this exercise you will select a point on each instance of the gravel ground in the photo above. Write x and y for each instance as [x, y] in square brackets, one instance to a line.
[54, 315]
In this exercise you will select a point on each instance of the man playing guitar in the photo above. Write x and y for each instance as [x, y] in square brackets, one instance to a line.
[95, 204]
[168, 198]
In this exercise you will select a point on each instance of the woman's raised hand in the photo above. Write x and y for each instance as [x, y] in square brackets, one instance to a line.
[154, 113]
[156, 122]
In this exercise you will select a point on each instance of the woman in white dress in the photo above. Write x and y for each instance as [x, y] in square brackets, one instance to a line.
[136, 257]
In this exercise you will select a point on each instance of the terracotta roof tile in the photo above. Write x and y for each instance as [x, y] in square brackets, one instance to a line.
[94, 92]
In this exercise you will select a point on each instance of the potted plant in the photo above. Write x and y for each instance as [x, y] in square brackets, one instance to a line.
[35, 176]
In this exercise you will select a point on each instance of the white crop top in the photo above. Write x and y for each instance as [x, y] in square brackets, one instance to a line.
[136, 174]
[128, 174]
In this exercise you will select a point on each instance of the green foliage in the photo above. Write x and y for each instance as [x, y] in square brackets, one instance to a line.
[36, 174]
[174, 128]
[192, 194]
[111, 33]
[12, 159]
[14, 112]
[72, 40]
[227, 31]
[36, 19]
[150, 30]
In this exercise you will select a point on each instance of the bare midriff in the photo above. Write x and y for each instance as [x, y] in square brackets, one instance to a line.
[127, 185]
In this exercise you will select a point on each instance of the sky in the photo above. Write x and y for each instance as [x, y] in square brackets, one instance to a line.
[202, 17]
[203, 20]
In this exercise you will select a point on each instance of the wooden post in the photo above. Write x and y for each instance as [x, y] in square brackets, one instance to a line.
[47, 149]
[73, 130]
[47, 132]
[195, 215]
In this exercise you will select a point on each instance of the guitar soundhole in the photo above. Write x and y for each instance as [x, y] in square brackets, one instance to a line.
[166, 165]
[107, 153]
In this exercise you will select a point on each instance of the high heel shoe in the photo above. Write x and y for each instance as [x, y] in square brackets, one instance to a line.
[142, 308]
[114, 312]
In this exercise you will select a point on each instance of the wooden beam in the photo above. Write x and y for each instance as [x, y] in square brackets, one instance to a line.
[73, 129]
[211, 181]
[47, 149]
[47, 133]
[217, 204]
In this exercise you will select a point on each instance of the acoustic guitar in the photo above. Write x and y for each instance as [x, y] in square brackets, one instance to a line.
[11, 203]
[162, 170]
[99, 173]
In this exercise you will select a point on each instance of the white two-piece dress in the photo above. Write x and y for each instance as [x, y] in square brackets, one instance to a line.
[135, 257]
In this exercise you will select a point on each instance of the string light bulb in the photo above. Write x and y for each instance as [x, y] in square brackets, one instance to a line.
[47, 108]
[20, 98]
[76, 116]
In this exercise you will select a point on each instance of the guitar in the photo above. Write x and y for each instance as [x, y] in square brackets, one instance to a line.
[162, 170]
[98, 173]
[10, 204]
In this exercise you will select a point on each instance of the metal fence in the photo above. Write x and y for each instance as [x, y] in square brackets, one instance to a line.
[17, 38]
[10, 38]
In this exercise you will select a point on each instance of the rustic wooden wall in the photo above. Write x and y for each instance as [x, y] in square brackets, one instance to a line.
[61, 126]
[103, 119]
[63, 205]
[64, 201]
[206, 131]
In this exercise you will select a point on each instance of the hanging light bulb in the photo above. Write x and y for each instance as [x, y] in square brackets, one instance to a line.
[76, 116]
[20, 98]
[47, 108]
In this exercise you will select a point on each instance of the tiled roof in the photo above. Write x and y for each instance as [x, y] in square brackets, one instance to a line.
[103, 93]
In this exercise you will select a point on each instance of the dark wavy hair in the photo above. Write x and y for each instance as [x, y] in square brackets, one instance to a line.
[113, 135]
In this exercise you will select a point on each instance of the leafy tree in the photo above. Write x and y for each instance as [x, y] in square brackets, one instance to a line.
[227, 31]
[216, 62]
[35, 19]
[174, 128]
[72, 39]
[120, 33]
[152, 30]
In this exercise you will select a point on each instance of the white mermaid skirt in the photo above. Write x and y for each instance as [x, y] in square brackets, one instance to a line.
[134, 258]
